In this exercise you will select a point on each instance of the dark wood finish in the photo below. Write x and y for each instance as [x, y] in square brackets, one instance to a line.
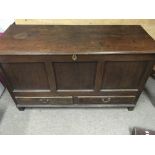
[50, 74]
[76, 66]
[123, 75]
[21, 108]
[107, 100]
[81, 75]
[153, 72]
[63, 39]
[47, 100]
[142, 131]
[32, 105]
[26, 76]
[131, 108]
[77, 93]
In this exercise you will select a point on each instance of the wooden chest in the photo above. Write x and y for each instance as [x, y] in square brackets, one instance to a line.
[75, 66]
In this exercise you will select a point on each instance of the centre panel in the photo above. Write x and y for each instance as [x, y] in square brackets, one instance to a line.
[75, 75]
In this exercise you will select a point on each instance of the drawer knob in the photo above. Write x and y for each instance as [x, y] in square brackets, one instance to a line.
[106, 100]
[74, 57]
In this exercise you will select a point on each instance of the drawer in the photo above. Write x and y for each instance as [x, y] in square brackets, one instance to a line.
[106, 99]
[44, 101]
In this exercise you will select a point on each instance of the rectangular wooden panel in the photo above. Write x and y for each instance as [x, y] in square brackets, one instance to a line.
[26, 76]
[123, 74]
[47, 100]
[75, 75]
[106, 100]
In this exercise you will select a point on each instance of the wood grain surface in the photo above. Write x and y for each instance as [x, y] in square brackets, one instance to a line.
[76, 65]
[147, 24]
[76, 39]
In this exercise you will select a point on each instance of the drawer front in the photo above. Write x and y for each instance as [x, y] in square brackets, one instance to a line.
[44, 101]
[106, 100]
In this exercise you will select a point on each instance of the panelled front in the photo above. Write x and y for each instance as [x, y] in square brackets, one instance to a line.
[78, 79]
[123, 74]
[26, 76]
[75, 75]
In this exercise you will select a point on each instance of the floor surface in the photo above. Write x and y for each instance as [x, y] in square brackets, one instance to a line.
[75, 121]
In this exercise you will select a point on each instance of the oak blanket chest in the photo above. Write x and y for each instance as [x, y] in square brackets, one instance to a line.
[75, 66]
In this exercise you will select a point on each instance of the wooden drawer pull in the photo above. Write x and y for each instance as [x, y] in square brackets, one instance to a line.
[106, 100]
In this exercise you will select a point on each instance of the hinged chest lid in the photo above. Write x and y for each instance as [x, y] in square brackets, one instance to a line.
[79, 39]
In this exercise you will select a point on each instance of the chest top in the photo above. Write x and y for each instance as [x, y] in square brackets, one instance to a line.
[78, 39]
